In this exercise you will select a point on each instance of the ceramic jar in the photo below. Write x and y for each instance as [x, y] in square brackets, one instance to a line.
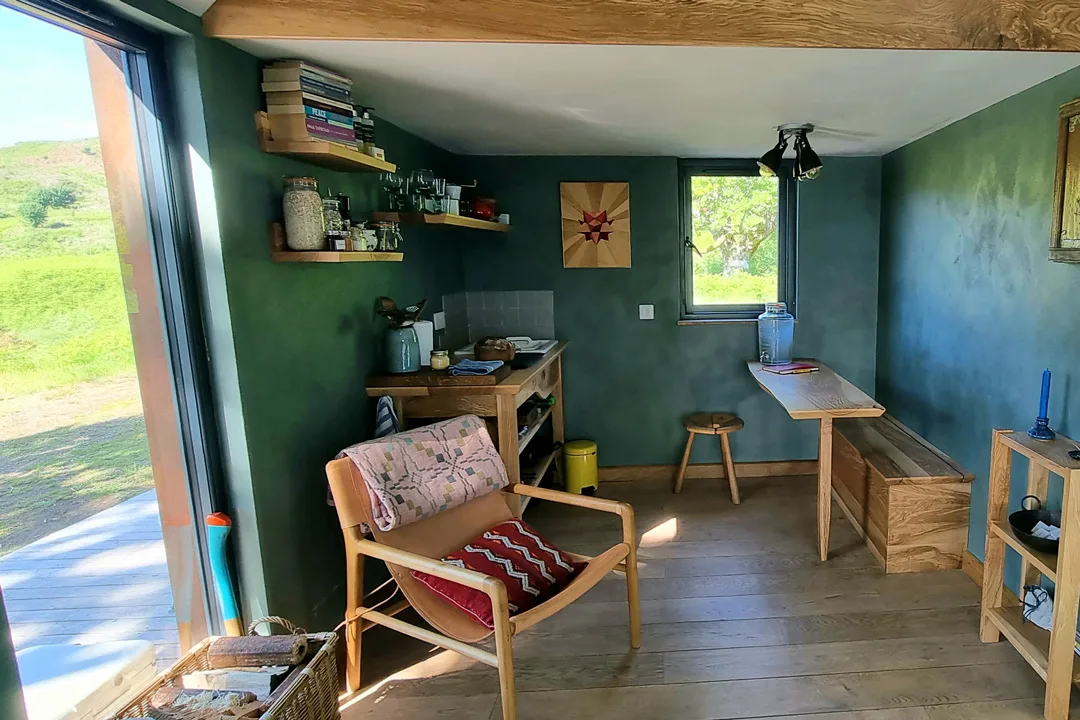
[305, 228]
[402, 350]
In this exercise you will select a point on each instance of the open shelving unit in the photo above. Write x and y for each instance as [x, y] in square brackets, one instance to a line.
[440, 219]
[1050, 653]
[324, 154]
[533, 474]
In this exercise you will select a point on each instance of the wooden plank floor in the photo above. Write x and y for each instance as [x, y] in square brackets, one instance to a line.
[740, 621]
[103, 578]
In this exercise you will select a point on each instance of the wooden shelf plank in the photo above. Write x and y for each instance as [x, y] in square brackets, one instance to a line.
[330, 256]
[324, 154]
[524, 441]
[441, 219]
[1051, 454]
[1030, 640]
[1045, 562]
[535, 473]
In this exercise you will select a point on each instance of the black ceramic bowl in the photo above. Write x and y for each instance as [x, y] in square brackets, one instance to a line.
[1022, 522]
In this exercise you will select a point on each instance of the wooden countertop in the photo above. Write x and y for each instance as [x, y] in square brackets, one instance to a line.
[821, 394]
[511, 385]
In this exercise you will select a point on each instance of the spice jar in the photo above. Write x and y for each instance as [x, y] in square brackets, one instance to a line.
[302, 206]
[440, 359]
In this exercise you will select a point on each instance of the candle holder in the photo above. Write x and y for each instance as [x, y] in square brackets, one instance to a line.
[1041, 429]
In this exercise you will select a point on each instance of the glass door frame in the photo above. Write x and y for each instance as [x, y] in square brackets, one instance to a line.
[162, 168]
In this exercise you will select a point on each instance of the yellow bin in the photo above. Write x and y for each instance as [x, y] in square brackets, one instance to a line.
[580, 456]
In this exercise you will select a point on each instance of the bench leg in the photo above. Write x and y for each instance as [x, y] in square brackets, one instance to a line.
[729, 467]
[685, 462]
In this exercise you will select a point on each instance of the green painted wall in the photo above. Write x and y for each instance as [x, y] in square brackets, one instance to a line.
[304, 336]
[629, 382]
[971, 309]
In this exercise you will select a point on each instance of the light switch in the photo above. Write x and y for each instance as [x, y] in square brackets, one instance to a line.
[645, 312]
[439, 319]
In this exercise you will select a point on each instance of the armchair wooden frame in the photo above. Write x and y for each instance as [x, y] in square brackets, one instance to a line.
[420, 545]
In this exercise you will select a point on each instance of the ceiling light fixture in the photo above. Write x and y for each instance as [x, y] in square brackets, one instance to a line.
[769, 164]
[807, 163]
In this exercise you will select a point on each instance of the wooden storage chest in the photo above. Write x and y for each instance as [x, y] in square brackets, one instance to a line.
[907, 498]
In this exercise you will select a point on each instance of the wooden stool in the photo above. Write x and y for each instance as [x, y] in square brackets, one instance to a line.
[712, 424]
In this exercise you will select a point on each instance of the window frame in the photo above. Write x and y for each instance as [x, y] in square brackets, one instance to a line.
[787, 239]
[168, 206]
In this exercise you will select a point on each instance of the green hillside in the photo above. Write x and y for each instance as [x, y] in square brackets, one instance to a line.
[63, 317]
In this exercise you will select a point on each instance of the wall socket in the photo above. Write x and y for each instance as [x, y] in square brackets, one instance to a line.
[645, 312]
[439, 320]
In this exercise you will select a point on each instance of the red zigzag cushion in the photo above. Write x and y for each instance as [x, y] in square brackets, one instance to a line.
[531, 568]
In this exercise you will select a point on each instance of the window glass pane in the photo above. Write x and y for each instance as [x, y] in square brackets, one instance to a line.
[735, 225]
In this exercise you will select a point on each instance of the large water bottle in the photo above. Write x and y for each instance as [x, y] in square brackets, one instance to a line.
[776, 334]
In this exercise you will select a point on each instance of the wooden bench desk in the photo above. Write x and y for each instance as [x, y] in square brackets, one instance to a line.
[821, 396]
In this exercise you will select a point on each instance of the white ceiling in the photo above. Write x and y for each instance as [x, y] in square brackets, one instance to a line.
[530, 99]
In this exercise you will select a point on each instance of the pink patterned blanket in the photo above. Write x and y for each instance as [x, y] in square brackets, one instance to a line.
[417, 473]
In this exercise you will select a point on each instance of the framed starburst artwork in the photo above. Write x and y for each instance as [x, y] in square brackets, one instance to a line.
[595, 224]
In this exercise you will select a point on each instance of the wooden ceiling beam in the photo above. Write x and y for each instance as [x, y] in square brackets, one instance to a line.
[876, 24]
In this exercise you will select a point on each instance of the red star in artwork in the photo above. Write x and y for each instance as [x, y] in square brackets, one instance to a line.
[595, 226]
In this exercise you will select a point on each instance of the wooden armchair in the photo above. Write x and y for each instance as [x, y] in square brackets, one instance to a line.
[421, 545]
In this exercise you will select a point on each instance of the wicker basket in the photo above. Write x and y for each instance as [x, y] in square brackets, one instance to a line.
[309, 694]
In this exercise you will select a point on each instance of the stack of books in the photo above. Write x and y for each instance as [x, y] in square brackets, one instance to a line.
[307, 102]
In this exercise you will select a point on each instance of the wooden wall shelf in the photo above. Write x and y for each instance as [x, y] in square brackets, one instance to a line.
[441, 219]
[331, 256]
[324, 154]
[279, 252]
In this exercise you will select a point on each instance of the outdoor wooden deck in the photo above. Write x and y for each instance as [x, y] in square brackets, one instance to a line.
[101, 579]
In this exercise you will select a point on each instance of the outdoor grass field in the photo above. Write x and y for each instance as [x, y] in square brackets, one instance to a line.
[72, 437]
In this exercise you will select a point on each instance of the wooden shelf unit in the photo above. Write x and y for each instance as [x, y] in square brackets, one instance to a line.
[440, 219]
[1051, 654]
[324, 154]
[280, 253]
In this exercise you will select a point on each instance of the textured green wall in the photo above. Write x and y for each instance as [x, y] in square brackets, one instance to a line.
[630, 382]
[304, 336]
[971, 309]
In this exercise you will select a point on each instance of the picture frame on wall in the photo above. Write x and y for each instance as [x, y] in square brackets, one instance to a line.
[1065, 222]
[595, 224]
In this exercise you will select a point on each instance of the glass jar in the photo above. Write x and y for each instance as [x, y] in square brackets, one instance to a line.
[304, 224]
[331, 208]
[440, 359]
[776, 334]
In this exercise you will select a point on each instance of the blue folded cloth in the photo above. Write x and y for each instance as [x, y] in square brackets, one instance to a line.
[475, 367]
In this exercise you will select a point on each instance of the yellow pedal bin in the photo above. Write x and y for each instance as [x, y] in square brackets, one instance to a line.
[580, 459]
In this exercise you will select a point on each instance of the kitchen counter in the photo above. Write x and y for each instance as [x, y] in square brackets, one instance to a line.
[499, 401]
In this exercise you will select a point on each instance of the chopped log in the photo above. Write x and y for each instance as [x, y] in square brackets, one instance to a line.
[256, 651]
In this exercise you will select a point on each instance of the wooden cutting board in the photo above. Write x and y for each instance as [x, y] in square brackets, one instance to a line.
[426, 377]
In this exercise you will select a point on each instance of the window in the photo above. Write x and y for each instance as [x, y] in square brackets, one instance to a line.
[738, 240]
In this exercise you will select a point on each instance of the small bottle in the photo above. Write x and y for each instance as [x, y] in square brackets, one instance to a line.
[440, 359]
[367, 131]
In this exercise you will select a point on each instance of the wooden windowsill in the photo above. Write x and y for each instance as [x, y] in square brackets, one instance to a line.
[718, 321]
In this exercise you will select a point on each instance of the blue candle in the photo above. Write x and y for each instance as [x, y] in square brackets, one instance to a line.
[1044, 399]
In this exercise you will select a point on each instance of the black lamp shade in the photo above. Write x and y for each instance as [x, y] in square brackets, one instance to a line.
[807, 163]
[769, 163]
